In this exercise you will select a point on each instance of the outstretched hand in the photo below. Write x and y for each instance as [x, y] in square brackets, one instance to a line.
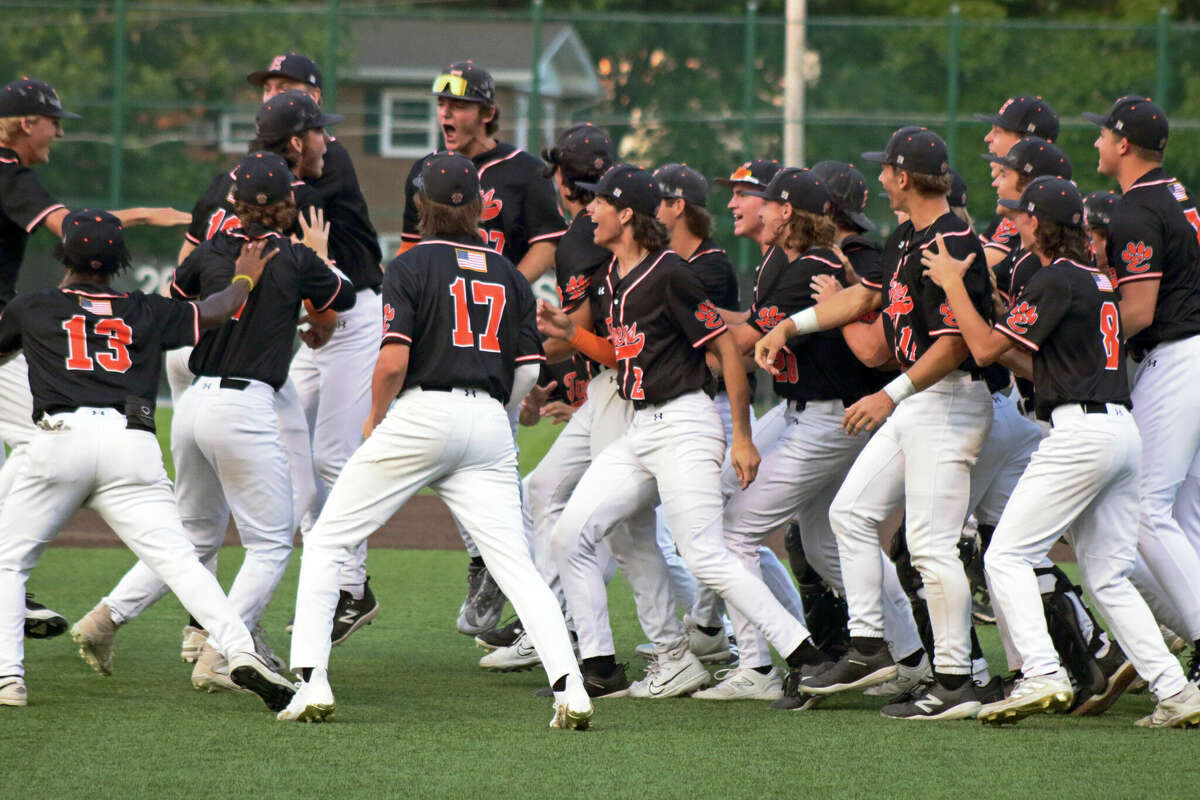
[552, 322]
[252, 259]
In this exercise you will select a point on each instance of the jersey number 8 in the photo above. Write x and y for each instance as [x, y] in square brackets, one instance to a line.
[491, 294]
[119, 336]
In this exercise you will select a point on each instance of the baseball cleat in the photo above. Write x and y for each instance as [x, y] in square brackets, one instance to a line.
[13, 691]
[855, 670]
[1193, 666]
[263, 647]
[712, 649]
[94, 633]
[211, 673]
[193, 642]
[1181, 710]
[41, 622]
[746, 683]
[906, 678]
[933, 701]
[991, 691]
[352, 614]
[1049, 694]
[573, 716]
[504, 636]
[312, 702]
[1120, 675]
[521, 656]
[615, 684]
[483, 605]
[251, 672]
[793, 699]
[674, 673]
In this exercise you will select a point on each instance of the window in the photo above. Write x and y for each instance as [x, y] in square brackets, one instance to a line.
[237, 130]
[408, 124]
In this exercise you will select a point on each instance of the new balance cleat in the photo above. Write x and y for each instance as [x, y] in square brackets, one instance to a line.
[41, 622]
[193, 642]
[504, 636]
[312, 702]
[746, 683]
[352, 614]
[521, 656]
[13, 691]
[1181, 710]
[853, 671]
[484, 603]
[1038, 694]
[674, 673]
[251, 672]
[937, 703]
[94, 633]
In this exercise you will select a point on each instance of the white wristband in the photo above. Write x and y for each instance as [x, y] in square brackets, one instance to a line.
[900, 388]
[806, 320]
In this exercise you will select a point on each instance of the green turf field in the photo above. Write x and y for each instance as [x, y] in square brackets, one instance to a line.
[417, 718]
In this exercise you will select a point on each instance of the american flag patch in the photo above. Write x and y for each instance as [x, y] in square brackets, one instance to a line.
[101, 308]
[470, 259]
[1178, 191]
[1102, 282]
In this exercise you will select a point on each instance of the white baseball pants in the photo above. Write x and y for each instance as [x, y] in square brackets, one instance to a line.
[1085, 475]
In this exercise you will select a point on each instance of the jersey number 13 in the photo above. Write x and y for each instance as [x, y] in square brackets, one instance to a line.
[120, 336]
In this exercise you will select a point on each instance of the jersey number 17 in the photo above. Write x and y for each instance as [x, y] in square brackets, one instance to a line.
[482, 293]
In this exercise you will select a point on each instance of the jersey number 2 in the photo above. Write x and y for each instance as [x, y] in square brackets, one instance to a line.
[491, 294]
[120, 336]
[1110, 329]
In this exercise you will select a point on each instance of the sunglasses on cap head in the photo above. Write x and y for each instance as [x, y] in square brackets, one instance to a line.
[451, 84]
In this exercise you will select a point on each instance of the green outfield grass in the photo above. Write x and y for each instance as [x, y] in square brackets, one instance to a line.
[417, 718]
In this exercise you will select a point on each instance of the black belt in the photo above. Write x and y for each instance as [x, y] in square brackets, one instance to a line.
[237, 384]
[1099, 408]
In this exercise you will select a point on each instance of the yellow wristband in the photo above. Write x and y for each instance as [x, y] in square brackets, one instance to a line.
[245, 278]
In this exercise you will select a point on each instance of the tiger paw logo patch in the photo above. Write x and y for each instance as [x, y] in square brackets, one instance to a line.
[948, 315]
[1136, 257]
[576, 287]
[769, 317]
[1021, 317]
[708, 314]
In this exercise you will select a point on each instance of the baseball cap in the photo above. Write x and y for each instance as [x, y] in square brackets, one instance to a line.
[261, 179]
[289, 65]
[957, 196]
[1025, 114]
[449, 179]
[629, 186]
[914, 149]
[1138, 119]
[681, 181]
[291, 113]
[798, 187]
[93, 238]
[1052, 199]
[1034, 156]
[848, 188]
[1098, 209]
[28, 97]
[582, 151]
[755, 172]
[465, 80]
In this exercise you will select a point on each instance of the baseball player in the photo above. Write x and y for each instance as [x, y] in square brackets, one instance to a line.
[333, 381]
[520, 219]
[922, 453]
[1084, 475]
[1097, 216]
[242, 468]
[446, 294]
[94, 357]
[675, 445]
[30, 120]
[1152, 246]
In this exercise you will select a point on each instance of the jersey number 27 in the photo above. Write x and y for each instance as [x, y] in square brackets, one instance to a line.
[482, 293]
[120, 336]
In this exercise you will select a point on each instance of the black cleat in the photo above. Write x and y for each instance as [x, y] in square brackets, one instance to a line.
[352, 614]
[1119, 673]
[851, 672]
[41, 622]
[505, 636]
[793, 699]
[615, 685]
[937, 702]
[484, 604]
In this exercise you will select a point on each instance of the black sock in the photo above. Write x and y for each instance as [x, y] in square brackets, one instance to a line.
[477, 561]
[602, 666]
[976, 650]
[306, 673]
[560, 685]
[806, 653]
[194, 622]
[913, 659]
[867, 645]
[951, 682]
[708, 631]
[762, 670]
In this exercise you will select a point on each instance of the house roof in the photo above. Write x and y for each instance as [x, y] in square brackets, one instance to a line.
[408, 50]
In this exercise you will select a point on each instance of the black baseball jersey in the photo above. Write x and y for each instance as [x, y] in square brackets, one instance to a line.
[90, 346]
[465, 311]
[1068, 317]
[257, 342]
[24, 204]
[711, 263]
[865, 256]
[353, 242]
[570, 384]
[520, 207]
[213, 212]
[1001, 234]
[659, 321]
[579, 268]
[1014, 271]
[817, 366]
[1153, 235]
[915, 311]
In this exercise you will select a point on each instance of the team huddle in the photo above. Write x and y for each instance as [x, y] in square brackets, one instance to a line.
[950, 404]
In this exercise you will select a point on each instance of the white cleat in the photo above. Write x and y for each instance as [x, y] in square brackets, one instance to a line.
[1181, 710]
[251, 672]
[1050, 694]
[13, 691]
[519, 656]
[313, 701]
[573, 716]
[672, 674]
[906, 678]
[744, 684]
[211, 673]
[193, 643]
[94, 634]
[713, 649]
